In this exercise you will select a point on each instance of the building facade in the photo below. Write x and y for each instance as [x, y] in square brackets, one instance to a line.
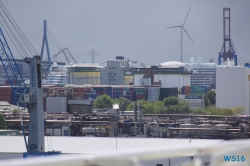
[116, 72]
[84, 74]
[168, 75]
[232, 87]
[204, 73]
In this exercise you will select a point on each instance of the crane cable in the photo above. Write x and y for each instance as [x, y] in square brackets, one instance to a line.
[55, 39]
[12, 33]
[26, 46]
[18, 30]
[10, 37]
[21, 32]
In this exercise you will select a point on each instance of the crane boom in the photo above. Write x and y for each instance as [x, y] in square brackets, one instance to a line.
[10, 67]
[71, 56]
[65, 51]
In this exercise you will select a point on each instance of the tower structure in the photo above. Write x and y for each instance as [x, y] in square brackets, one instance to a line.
[93, 53]
[227, 50]
[47, 62]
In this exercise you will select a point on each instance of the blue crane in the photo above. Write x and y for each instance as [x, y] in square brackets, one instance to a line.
[12, 72]
[33, 99]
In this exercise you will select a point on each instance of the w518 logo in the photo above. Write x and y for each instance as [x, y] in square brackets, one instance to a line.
[234, 158]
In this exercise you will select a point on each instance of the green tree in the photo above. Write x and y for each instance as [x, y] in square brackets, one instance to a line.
[159, 107]
[170, 101]
[238, 110]
[130, 107]
[103, 101]
[148, 108]
[207, 101]
[211, 96]
[122, 102]
[183, 106]
[199, 111]
[2, 122]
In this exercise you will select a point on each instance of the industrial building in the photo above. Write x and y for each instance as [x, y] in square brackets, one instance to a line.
[204, 73]
[167, 74]
[81, 74]
[232, 87]
[116, 72]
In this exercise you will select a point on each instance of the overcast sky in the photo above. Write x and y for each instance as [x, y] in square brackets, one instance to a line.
[135, 29]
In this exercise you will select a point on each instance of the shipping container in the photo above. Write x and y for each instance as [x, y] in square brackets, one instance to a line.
[168, 92]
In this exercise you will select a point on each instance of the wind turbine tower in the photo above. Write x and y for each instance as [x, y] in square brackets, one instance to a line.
[182, 28]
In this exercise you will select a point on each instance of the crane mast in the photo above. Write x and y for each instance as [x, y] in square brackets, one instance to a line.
[33, 101]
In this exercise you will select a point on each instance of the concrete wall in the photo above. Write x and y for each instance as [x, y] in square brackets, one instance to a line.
[173, 80]
[10, 156]
[232, 87]
[56, 104]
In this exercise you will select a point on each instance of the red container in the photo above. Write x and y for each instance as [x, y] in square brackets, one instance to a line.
[5, 89]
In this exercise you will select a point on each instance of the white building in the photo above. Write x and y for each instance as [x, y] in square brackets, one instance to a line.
[203, 72]
[116, 72]
[232, 87]
[170, 74]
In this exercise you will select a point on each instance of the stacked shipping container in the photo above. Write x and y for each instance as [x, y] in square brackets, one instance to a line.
[167, 92]
[153, 94]
[109, 91]
[5, 93]
[185, 90]
[126, 92]
[141, 93]
[80, 92]
[194, 89]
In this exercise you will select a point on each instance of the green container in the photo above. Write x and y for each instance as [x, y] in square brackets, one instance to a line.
[9, 132]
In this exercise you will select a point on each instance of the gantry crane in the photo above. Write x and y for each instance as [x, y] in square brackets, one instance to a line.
[227, 50]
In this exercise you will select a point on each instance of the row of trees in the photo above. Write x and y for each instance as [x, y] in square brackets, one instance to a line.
[2, 122]
[169, 105]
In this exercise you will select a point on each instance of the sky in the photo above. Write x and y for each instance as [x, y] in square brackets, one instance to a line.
[135, 29]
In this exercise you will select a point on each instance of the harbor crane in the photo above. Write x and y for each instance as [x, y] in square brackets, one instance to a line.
[33, 99]
[227, 50]
[65, 51]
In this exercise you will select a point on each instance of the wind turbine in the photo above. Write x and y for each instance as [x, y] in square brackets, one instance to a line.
[182, 28]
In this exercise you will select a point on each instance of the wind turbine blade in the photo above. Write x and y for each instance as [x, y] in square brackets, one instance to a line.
[187, 34]
[186, 17]
[174, 27]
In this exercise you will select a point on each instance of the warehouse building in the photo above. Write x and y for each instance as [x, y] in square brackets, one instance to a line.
[232, 87]
[167, 74]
